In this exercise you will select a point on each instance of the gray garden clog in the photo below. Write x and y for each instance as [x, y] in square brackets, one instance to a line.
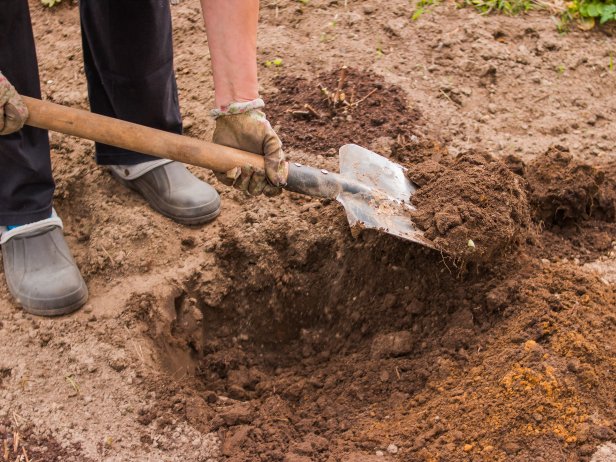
[39, 269]
[171, 190]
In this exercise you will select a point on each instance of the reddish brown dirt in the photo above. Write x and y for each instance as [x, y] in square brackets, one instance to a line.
[574, 201]
[564, 190]
[472, 207]
[274, 335]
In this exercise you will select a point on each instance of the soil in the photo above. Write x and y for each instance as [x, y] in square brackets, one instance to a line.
[472, 207]
[275, 335]
[565, 190]
[367, 109]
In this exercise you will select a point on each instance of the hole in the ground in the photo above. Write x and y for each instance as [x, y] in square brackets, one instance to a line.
[302, 339]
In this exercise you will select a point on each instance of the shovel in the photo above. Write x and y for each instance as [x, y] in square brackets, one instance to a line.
[374, 191]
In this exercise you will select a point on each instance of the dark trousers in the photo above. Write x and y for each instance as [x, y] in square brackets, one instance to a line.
[128, 60]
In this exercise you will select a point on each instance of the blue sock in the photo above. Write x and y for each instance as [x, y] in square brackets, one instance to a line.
[12, 227]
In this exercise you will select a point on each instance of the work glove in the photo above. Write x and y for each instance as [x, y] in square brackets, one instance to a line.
[13, 111]
[244, 126]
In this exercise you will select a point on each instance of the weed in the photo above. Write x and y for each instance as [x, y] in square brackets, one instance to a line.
[50, 3]
[421, 7]
[509, 7]
[591, 11]
[276, 62]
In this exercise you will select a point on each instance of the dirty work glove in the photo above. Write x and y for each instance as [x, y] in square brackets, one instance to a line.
[13, 111]
[244, 126]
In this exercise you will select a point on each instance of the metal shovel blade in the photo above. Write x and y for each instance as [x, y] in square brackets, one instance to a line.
[385, 203]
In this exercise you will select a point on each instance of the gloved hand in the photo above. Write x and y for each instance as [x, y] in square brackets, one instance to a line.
[244, 126]
[13, 111]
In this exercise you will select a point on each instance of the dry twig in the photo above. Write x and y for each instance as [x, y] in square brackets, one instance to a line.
[339, 95]
[312, 110]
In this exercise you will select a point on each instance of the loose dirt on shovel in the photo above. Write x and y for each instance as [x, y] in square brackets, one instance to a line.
[272, 334]
[472, 207]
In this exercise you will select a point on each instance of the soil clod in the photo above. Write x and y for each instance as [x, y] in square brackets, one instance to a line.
[472, 206]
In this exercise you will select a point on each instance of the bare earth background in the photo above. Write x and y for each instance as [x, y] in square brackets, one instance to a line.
[274, 335]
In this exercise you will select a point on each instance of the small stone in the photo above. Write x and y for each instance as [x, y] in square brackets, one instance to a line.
[392, 449]
[468, 447]
[393, 344]
[511, 448]
[188, 123]
[380, 453]
[368, 9]
[118, 361]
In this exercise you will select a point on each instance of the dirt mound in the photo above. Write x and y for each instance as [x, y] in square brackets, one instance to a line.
[472, 207]
[337, 108]
[563, 190]
[538, 374]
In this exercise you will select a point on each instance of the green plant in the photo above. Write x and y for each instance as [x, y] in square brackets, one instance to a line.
[421, 7]
[276, 62]
[50, 3]
[587, 12]
[510, 7]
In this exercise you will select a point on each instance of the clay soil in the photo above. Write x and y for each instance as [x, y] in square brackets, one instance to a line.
[273, 334]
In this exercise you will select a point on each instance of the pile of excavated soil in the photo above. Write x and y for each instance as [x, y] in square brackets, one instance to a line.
[375, 110]
[472, 207]
[533, 383]
[563, 190]
[573, 202]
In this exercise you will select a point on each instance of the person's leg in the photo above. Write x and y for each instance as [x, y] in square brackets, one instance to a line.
[128, 57]
[38, 266]
[26, 184]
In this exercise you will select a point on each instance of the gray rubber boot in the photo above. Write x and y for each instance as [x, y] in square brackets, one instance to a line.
[40, 271]
[171, 190]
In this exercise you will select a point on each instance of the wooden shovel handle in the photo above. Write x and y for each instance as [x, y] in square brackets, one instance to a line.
[134, 137]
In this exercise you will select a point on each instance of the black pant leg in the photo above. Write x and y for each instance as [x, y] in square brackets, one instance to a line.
[26, 184]
[128, 57]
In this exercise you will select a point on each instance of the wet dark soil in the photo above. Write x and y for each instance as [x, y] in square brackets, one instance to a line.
[371, 109]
